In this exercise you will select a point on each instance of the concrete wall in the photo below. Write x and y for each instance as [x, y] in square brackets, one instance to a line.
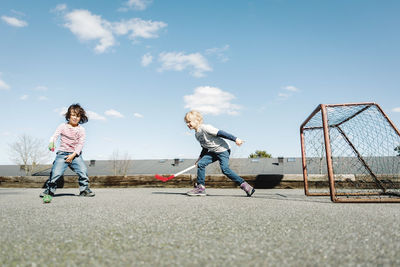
[148, 167]
[187, 180]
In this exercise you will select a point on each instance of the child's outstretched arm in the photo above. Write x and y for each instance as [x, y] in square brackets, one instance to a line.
[229, 136]
[55, 136]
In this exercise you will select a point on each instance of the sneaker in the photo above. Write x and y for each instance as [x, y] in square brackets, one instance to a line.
[247, 188]
[86, 193]
[200, 190]
[46, 192]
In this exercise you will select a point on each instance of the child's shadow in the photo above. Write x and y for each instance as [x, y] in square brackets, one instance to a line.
[65, 195]
[168, 193]
[185, 194]
[60, 184]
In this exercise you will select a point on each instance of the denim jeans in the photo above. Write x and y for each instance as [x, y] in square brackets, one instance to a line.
[223, 159]
[59, 166]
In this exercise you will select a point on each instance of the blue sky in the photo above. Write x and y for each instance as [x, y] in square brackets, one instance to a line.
[256, 69]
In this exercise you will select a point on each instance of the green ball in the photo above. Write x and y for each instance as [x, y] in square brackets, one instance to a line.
[47, 198]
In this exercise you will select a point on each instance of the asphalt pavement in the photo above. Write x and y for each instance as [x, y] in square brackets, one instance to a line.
[164, 227]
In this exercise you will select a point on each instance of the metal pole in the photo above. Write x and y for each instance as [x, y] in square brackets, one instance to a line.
[328, 152]
[388, 120]
[303, 161]
[355, 114]
[379, 183]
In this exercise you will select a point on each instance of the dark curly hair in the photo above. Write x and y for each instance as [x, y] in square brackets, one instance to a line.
[79, 111]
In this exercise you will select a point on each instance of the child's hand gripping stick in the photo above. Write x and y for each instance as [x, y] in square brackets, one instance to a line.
[51, 146]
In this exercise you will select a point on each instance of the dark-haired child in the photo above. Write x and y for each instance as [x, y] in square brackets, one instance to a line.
[72, 138]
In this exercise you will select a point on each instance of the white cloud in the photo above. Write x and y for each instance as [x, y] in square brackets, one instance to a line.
[219, 52]
[138, 28]
[91, 115]
[24, 97]
[291, 88]
[283, 95]
[94, 116]
[211, 100]
[40, 88]
[396, 109]
[113, 113]
[179, 61]
[60, 8]
[88, 27]
[136, 4]
[147, 59]
[286, 95]
[43, 98]
[61, 111]
[18, 13]
[4, 86]
[137, 115]
[14, 21]
[217, 49]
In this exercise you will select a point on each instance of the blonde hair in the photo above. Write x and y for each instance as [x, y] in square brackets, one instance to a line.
[194, 115]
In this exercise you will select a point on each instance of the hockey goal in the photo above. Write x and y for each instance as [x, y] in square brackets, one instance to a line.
[352, 153]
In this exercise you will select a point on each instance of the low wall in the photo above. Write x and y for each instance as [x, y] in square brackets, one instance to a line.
[265, 181]
[187, 180]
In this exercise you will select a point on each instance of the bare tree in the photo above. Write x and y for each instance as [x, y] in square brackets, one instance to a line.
[120, 163]
[29, 152]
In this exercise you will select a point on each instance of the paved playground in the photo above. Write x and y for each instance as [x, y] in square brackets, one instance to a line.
[163, 227]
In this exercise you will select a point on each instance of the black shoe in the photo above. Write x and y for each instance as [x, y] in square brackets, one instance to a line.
[86, 193]
[46, 192]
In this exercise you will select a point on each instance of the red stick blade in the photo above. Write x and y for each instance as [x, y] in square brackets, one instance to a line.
[161, 178]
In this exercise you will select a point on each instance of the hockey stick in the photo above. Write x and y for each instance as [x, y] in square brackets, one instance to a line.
[164, 179]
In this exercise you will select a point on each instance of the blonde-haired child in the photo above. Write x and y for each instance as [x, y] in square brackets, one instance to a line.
[214, 148]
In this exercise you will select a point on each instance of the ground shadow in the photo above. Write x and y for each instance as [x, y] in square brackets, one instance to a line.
[208, 195]
[60, 183]
[214, 195]
[288, 197]
[167, 193]
[275, 196]
[65, 195]
[267, 181]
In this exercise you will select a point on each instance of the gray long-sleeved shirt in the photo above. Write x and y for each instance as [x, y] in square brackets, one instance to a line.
[209, 138]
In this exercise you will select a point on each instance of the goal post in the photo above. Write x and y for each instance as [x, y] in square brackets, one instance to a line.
[352, 153]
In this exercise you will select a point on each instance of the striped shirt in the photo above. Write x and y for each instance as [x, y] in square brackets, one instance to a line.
[72, 138]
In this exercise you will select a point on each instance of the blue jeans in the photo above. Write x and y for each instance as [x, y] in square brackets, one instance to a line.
[59, 166]
[223, 159]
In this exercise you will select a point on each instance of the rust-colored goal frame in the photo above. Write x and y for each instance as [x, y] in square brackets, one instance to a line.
[361, 197]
